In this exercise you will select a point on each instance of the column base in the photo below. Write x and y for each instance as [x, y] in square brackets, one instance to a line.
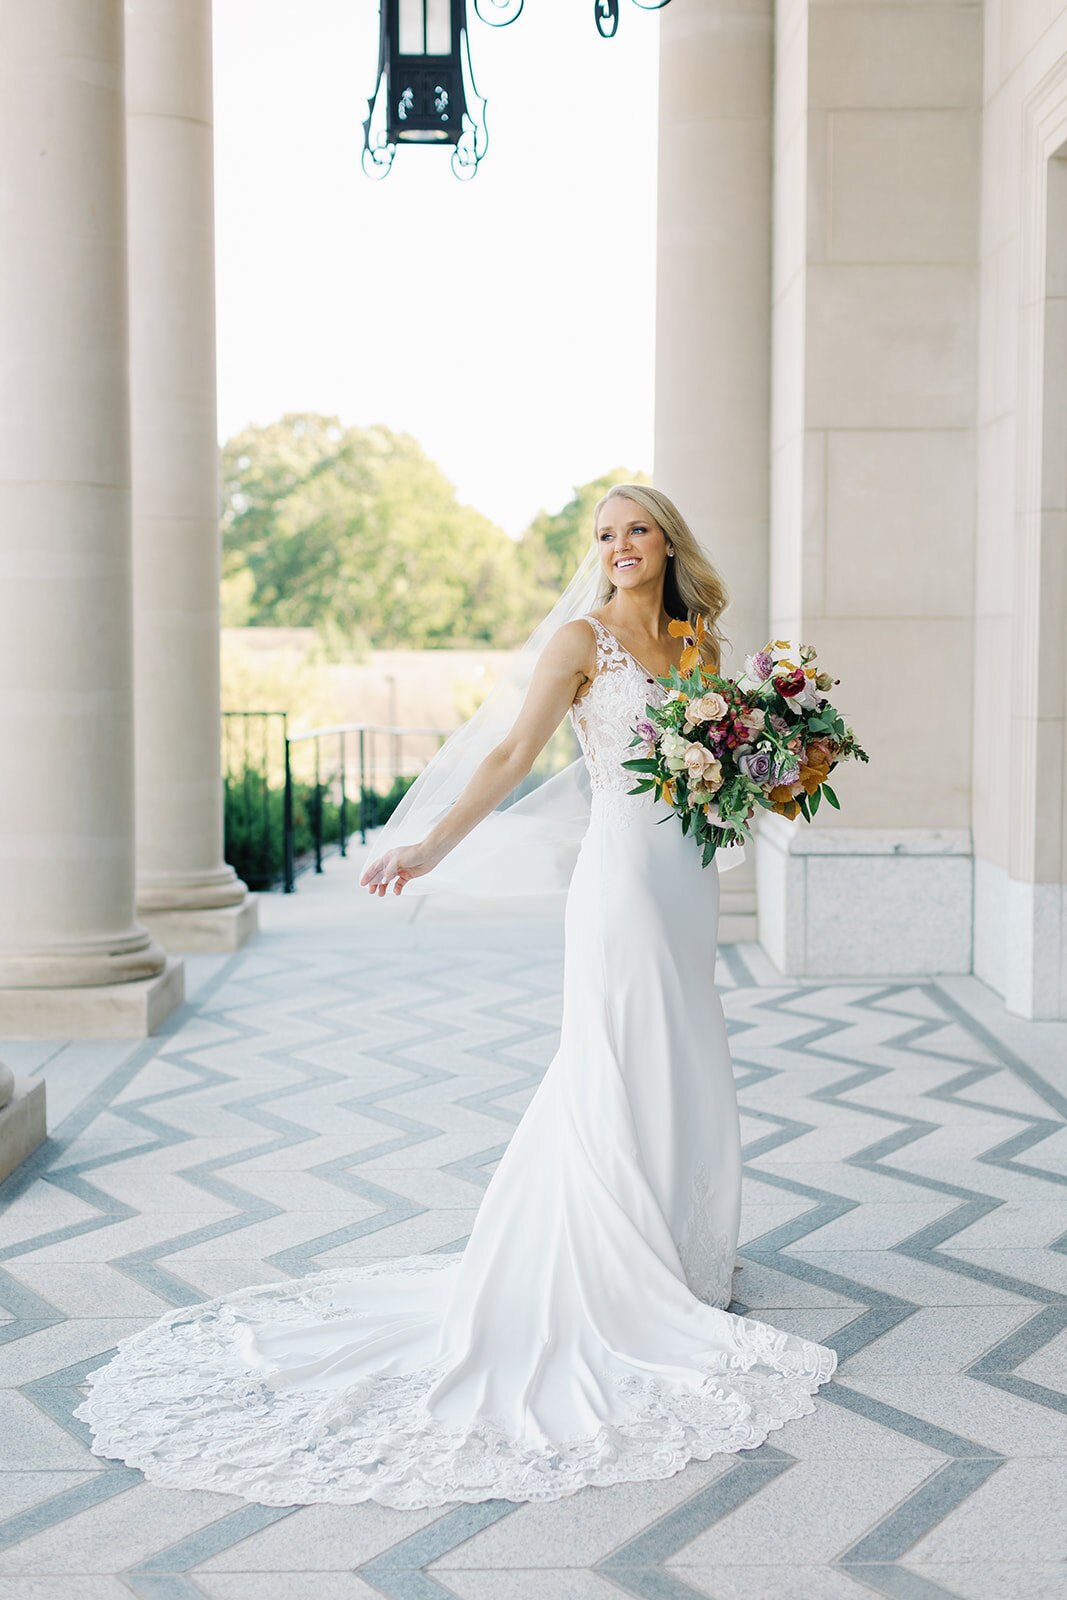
[103, 1011]
[864, 902]
[188, 891]
[204, 931]
[105, 961]
[22, 1124]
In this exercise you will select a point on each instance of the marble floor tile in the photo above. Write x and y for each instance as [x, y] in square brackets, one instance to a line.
[343, 1095]
[809, 1515]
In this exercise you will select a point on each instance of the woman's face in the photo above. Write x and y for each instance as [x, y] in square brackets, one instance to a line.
[633, 548]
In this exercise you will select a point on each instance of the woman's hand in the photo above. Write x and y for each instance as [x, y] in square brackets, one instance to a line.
[397, 867]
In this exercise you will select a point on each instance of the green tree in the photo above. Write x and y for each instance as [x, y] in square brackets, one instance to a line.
[356, 532]
[358, 529]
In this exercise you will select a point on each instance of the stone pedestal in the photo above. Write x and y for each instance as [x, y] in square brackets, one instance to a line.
[104, 1011]
[67, 923]
[22, 1119]
[185, 889]
[864, 901]
[204, 931]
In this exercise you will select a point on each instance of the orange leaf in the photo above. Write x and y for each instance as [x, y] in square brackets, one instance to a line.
[690, 657]
[678, 628]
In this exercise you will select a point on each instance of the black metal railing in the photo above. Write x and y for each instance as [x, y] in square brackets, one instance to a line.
[288, 799]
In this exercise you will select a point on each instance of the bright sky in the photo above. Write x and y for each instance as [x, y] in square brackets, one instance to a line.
[507, 322]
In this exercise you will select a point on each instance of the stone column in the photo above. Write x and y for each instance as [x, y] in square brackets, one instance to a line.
[73, 959]
[713, 312]
[877, 140]
[186, 893]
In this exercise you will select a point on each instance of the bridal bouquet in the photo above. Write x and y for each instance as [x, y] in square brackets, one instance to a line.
[719, 747]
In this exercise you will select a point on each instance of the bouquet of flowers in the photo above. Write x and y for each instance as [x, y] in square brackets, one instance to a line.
[720, 747]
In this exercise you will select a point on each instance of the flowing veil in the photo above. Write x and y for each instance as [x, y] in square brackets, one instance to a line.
[529, 844]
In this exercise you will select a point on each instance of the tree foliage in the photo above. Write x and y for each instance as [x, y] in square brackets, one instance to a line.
[357, 533]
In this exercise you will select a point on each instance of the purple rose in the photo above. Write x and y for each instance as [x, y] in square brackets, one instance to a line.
[787, 773]
[648, 732]
[759, 666]
[756, 765]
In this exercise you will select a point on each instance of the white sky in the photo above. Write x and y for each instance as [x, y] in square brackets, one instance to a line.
[507, 322]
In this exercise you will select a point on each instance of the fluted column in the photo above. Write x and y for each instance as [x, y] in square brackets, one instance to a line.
[185, 890]
[67, 923]
[713, 311]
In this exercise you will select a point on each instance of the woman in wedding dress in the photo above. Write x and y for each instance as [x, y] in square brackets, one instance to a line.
[582, 1336]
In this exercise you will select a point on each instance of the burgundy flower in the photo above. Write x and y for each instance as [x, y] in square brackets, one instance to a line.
[789, 683]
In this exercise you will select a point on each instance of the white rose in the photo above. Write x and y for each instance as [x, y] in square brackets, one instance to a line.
[673, 749]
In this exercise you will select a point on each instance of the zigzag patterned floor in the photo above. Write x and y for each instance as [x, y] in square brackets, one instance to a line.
[341, 1090]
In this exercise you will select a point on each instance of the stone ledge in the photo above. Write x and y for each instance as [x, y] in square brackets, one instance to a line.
[22, 1124]
[100, 1011]
[204, 931]
[801, 839]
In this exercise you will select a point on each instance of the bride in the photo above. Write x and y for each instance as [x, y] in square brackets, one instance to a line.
[582, 1336]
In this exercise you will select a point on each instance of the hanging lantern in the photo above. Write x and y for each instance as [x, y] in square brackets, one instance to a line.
[425, 91]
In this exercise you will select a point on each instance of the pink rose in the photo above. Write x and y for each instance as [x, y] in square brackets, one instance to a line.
[708, 708]
[750, 721]
[702, 769]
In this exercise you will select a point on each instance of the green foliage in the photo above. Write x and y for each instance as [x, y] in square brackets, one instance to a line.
[357, 529]
[254, 815]
[355, 532]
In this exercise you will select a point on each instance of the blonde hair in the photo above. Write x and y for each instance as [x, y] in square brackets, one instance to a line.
[691, 586]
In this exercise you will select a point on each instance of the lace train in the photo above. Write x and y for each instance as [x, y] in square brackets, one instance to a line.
[180, 1402]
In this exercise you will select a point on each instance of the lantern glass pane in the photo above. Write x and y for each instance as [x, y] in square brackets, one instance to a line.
[412, 41]
[438, 27]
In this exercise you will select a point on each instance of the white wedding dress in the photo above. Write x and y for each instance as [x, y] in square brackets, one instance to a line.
[581, 1336]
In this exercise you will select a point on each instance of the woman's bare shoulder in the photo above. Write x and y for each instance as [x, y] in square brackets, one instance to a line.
[572, 649]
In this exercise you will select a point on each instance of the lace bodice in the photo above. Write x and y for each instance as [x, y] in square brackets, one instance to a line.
[604, 719]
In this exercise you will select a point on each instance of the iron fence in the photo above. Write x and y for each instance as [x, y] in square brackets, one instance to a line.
[289, 800]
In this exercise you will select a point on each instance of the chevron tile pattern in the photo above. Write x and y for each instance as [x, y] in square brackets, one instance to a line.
[341, 1090]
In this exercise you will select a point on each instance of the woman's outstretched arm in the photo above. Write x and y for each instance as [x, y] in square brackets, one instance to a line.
[564, 666]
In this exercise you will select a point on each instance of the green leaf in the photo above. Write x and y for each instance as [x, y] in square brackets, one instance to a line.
[708, 852]
[831, 797]
[642, 764]
[813, 801]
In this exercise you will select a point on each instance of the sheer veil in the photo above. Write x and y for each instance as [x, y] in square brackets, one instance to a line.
[529, 844]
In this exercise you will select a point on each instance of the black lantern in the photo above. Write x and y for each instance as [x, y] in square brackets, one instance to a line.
[425, 91]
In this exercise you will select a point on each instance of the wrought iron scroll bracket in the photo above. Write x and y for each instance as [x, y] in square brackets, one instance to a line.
[474, 140]
[378, 153]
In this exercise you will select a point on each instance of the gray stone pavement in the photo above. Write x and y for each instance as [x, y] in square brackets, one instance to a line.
[341, 1089]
